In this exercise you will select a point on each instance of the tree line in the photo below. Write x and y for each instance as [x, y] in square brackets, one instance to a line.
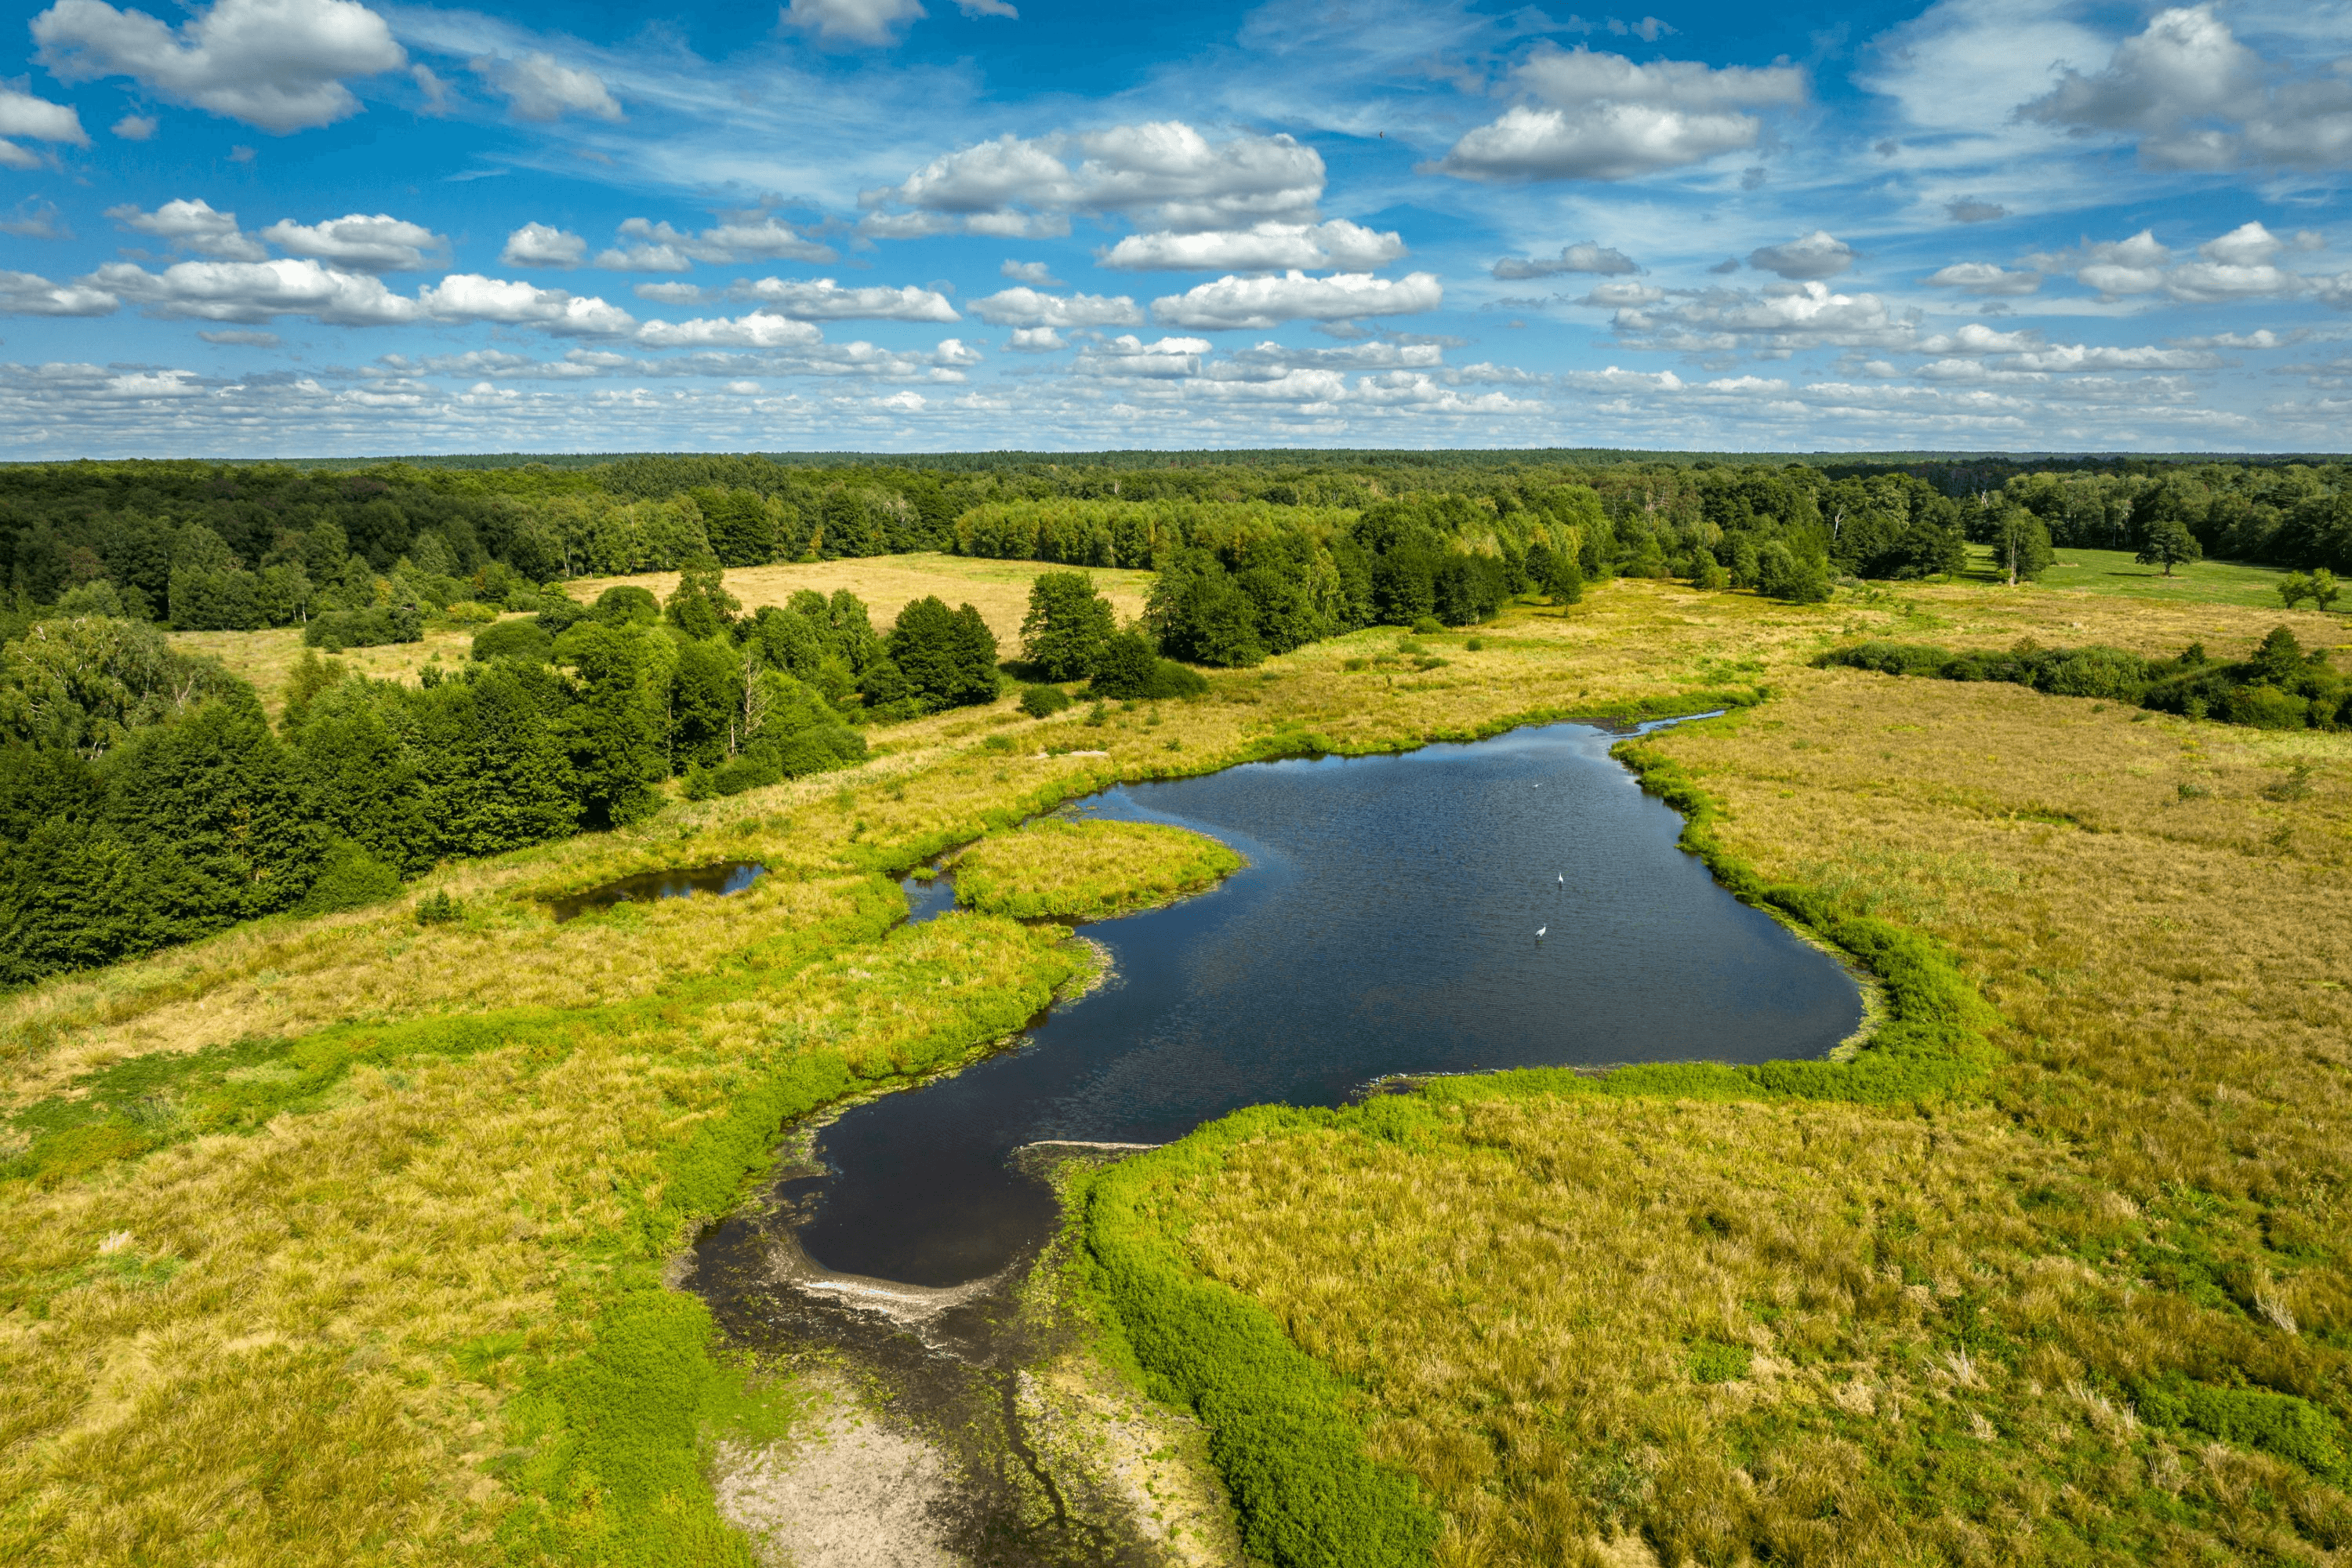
[146, 799]
[236, 546]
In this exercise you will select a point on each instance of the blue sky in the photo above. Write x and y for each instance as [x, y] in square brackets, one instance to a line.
[329, 226]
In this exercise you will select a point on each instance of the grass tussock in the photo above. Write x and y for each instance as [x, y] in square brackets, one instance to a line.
[338, 1241]
[1088, 871]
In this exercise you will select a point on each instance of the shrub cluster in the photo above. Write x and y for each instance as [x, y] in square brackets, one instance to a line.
[2278, 686]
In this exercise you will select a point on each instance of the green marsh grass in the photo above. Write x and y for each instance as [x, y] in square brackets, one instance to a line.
[1089, 869]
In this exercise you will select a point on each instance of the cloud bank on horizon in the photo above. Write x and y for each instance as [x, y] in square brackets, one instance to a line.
[247, 227]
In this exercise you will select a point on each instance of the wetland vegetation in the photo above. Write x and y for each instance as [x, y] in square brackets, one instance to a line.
[336, 1236]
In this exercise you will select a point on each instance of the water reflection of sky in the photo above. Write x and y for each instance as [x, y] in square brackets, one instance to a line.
[1386, 923]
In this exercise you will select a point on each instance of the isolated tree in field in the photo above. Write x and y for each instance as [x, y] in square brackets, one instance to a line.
[2169, 543]
[948, 657]
[1067, 625]
[2021, 545]
[1563, 582]
[2319, 586]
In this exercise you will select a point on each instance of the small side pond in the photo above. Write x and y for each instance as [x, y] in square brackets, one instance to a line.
[1512, 902]
[726, 876]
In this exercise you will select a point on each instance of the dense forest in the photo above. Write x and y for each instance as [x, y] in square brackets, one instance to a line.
[145, 798]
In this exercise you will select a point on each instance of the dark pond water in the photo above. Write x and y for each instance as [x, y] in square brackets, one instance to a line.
[726, 876]
[1388, 923]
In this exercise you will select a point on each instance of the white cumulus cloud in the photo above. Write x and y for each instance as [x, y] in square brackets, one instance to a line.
[1027, 307]
[737, 238]
[759, 329]
[193, 225]
[1261, 247]
[1164, 174]
[22, 114]
[867, 22]
[276, 64]
[254, 291]
[1594, 116]
[470, 297]
[1985, 279]
[2191, 96]
[364, 243]
[544, 245]
[1262, 303]
[27, 294]
[825, 300]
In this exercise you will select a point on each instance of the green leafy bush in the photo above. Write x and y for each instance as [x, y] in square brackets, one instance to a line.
[1044, 701]
[1129, 670]
[2280, 1424]
[339, 629]
[349, 878]
[526, 640]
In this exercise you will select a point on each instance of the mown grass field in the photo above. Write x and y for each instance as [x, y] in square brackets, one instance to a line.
[2116, 571]
[340, 1241]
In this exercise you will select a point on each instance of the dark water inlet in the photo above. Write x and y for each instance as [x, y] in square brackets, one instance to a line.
[1387, 923]
[726, 876]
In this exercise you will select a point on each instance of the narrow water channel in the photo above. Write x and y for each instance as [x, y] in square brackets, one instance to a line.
[1516, 901]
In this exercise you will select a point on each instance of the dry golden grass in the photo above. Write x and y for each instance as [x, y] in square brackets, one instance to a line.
[269, 1369]
[999, 590]
[1088, 871]
[267, 658]
[294, 1353]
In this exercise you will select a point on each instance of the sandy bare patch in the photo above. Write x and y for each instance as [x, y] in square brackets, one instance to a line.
[847, 1492]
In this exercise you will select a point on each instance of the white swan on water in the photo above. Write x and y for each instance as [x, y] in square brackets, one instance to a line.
[1541, 929]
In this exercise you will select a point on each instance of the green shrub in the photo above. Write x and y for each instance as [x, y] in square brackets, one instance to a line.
[2267, 707]
[625, 603]
[340, 629]
[1044, 701]
[1128, 669]
[1711, 1362]
[2293, 1429]
[439, 910]
[522, 639]
[349, 878]
[1427, 625]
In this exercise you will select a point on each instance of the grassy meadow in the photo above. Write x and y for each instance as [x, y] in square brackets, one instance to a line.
[340, 1240]
[1088, 871]
[2118, 572]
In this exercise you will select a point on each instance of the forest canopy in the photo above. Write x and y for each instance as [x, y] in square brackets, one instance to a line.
[376, 549]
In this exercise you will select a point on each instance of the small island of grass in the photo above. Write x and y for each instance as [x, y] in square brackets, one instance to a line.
[1088, 871]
